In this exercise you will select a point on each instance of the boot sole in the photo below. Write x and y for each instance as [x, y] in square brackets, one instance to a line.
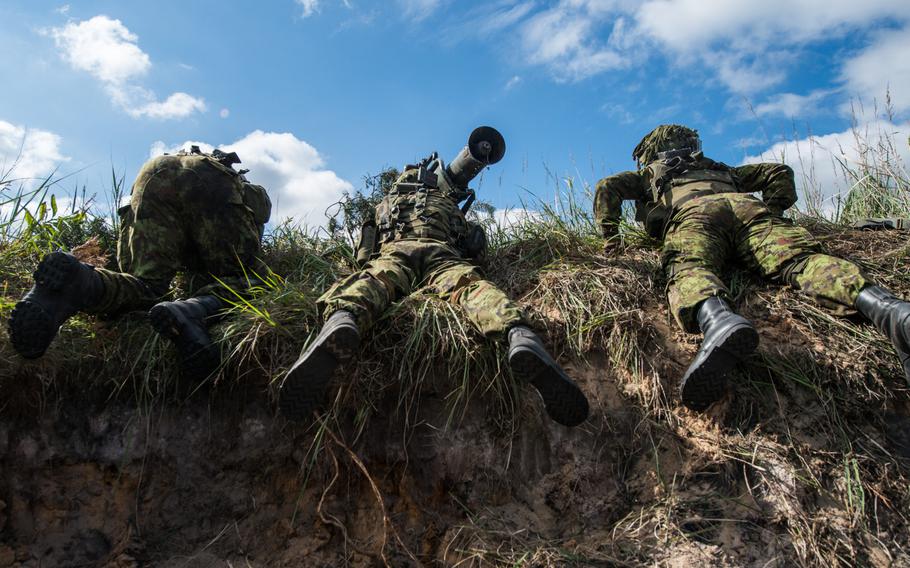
[706, 384]
[564, 401]
[31, 328]
[305, 385]
[198, 358]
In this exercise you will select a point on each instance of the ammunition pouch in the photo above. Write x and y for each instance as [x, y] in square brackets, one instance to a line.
[474, 244]
[366, 246]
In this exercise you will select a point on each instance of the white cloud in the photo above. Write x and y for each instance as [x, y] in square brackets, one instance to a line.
[564, 39]
[107, 50]
[510, 219]
[103, 47]
[309, 7]
[178, 105]
[884, 66]
[292, 171]
[27, 154]
[816, 160]
[512, 83]
[63, 10]
[690, 25]
[418, 10]
[792, 105]
[750, 44]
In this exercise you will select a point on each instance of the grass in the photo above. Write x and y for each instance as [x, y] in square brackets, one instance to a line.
[794, 468]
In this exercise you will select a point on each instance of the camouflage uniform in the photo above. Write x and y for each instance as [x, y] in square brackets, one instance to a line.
[699, 208]
[187, 212]
[421, 232]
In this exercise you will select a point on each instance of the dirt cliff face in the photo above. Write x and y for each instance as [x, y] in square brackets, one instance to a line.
[799, 465]
[216, 481]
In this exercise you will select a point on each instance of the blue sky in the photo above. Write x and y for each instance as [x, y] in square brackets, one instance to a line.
[313, 94]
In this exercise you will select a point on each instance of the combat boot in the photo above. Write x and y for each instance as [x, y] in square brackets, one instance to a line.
[186, 322]
[728, 339]
[63, 286]
[303, 389]
[531, 363]
[891, 316]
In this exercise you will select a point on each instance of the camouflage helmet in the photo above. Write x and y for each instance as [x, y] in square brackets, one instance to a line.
[663, 138]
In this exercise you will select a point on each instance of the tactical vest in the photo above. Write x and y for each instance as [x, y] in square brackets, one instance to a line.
[674, 181]
[413, 210]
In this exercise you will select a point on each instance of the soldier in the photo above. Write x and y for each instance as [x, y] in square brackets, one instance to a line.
[699, 208]
[190, 211]
[424, 240]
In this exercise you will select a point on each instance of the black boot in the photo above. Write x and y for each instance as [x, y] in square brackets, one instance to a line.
[63, 286]
[303, 389]
[729, 338]
[891, 316]
[186, 322]
[531, 363]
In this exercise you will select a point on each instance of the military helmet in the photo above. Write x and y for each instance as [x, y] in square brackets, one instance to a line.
[664, 138]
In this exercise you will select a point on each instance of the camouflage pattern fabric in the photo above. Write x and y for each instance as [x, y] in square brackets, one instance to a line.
[773, 181]
[406, 265]
[411, 209]
[709, 231]
[664, 138]
[190, 213]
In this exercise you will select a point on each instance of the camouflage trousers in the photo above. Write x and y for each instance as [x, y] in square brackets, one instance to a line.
[707, 232]
[409, 264]
[181, 219]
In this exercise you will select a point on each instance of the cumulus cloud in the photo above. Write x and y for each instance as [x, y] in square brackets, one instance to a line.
[750, 43]
[293, 172]
[106, 49]
[747, 46]
[565, 39]
[882, 67]
[27, 154]
[817, 160]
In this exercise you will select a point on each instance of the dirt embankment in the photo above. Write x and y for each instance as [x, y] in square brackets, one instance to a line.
[796, 467]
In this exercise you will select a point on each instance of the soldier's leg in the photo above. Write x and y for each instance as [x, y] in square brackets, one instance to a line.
[64, 286]
[153, 238]
[350, 307]
[697, 244]
[784, 251]
[221, 256]
[495, 315]
[695, 249]
[788, 252]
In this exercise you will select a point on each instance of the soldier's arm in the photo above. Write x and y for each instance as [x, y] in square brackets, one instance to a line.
[774, 181]
[611, 192]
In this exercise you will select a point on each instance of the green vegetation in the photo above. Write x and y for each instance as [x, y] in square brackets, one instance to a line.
[796, 468]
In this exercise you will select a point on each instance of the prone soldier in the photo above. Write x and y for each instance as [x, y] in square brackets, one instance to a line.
[702, 212]
[422, 239]
[190, 211]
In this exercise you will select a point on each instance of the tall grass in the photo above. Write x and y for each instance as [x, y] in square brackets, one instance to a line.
[796, 460]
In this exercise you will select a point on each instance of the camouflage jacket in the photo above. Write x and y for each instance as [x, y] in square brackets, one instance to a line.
[661, 187]
[213, 174]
